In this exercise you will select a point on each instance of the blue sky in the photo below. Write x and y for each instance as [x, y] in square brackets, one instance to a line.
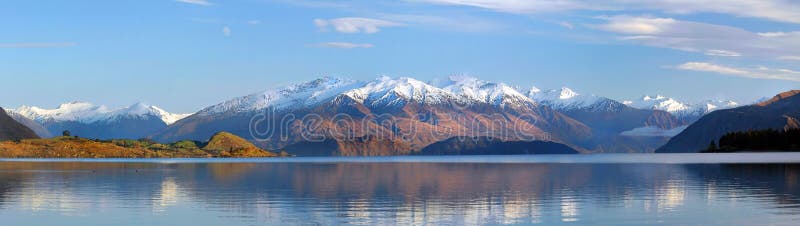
[188, 54]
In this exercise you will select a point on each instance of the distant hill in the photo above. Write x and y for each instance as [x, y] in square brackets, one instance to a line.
[770, 140]
[10, 129]
[489, 146]
[226, 144]
[780, 113]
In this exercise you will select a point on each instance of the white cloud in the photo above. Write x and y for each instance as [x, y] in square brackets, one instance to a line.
[254, 22]
[517, 6]
[343, 45]
[354, 24]
[636, 25]
[709, 39]
[226, 31]
[725, 53]
[451, 22]
[37, 44]
[757, 73]
[652, 131]
[708, 67]
[567, 25]
[789, 58]
[772, 34]
[196, 2]
[775, 10]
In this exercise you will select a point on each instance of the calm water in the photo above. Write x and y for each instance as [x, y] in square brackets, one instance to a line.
[579, 190]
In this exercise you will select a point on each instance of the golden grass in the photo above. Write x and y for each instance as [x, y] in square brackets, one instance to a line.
[70, 147]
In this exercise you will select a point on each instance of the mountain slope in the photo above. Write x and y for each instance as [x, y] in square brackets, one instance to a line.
[10, 129]
[780, 112]
[38, 128]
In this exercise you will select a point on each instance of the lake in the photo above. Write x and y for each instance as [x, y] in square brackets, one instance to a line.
[606, 189]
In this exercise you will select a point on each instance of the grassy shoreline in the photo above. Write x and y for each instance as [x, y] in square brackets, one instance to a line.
[221, 145]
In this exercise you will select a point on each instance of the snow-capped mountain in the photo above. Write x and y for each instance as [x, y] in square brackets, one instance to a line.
[683, 110]
[565, 99]
[141, 109]
[591, 122]
[388, 92]
[291, 96]
[453, 105]
[450, 107]
[661, 103]
[474, 90]
[432, 112]
[711, 105]
[98, 121]
[779, 113]
[85, 112]
[609, 119]
[74, 111]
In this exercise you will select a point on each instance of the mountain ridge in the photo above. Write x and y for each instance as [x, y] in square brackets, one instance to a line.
[10, 129]
[97, 121]
[780, 112]
[458, 106]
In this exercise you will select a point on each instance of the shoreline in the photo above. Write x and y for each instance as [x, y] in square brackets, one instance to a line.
[642, 158]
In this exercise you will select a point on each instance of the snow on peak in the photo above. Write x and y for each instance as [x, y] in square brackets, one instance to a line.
[141, 109]
[73, 111]
[712, 105]
[661, 103]
[730, 103]
[678, 108]
[475, 90]
[168, 117]
[85, 112]
[386, 91]
[656, 98]
[565, 99]
[295, 95]
[533, 91]
[567, 93]
[135, 109]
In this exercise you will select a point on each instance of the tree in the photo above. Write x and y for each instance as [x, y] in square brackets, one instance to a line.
[66, 133]
[712, 146]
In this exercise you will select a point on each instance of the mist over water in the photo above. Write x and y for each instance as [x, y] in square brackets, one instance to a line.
[475, 190]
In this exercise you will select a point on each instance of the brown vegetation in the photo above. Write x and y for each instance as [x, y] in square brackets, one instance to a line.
[74, 147]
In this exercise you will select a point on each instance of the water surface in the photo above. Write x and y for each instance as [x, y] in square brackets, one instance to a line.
[686, 189]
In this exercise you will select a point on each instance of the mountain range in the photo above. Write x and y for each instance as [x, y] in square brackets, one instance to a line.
[395, 116]
[434, 111]
[684, 111]
[96, 121]
[780, 112]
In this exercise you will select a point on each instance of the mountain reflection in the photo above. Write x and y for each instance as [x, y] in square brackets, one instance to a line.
[400, 193]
